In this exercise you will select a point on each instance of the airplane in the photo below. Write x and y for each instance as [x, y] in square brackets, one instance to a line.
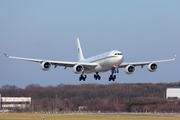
[112, 60]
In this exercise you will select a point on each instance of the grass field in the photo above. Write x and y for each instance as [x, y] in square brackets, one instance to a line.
[25, 116]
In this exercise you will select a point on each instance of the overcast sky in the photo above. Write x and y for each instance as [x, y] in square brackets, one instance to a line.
[143, 30]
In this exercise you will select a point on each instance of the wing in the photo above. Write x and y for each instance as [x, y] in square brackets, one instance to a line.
[144, 63]
[57, 63]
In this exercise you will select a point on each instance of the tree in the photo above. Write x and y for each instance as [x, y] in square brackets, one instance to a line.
[9, 87]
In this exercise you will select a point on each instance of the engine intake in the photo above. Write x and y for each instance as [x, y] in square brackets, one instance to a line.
[152, 67]
[45, 66]
[78, 69]
[130, 69]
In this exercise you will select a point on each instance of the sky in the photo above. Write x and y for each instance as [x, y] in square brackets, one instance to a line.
[143, 30]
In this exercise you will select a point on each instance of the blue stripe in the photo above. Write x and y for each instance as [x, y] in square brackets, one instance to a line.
[102, 59]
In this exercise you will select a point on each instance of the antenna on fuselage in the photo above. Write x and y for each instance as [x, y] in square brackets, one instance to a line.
[79, 50]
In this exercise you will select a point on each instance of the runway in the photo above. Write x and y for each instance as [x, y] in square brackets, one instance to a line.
[135, 114]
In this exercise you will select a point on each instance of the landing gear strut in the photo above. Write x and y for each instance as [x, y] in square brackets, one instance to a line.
[113, 77]
[116, 70]
[82, 77]
[96, 76]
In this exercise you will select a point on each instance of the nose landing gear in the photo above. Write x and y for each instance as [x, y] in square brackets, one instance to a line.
[112, 76]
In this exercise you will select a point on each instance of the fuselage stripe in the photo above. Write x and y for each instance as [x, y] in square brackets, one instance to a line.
[102, 59]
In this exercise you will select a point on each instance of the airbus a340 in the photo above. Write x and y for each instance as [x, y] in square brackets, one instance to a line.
[97, 64]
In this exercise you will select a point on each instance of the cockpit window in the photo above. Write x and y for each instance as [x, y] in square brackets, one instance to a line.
[118, 54]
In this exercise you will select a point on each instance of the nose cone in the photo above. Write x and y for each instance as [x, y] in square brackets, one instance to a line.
[121, 58]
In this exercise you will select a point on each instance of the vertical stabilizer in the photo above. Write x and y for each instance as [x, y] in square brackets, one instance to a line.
[79, 50]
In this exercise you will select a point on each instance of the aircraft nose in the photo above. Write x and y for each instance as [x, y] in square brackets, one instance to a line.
[121, 57]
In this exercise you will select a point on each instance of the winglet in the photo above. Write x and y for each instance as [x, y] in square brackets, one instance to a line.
[6, 55]
[174, 57]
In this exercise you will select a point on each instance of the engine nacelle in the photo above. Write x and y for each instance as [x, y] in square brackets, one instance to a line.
[78, 69]
[130, 69]
[152, 67]
[45, 66]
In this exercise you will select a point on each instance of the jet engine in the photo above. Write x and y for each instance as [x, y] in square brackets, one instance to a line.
[45, 66]
[152, 67]
[78, 69]
[130, 69]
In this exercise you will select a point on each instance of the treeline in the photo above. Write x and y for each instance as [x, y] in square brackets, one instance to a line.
[114, 97]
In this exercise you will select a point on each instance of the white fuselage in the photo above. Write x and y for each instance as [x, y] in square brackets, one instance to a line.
[106, 61]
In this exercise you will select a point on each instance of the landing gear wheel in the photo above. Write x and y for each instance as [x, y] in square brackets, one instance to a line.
[96, 76]
[99, 77]
[113, 77]
[110, 78]
[82, 77]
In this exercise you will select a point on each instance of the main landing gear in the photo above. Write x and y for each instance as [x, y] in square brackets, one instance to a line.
[96, 76]
[82, 77]
[112, 76]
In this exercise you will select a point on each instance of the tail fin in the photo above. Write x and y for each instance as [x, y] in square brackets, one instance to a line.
[80, 54]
